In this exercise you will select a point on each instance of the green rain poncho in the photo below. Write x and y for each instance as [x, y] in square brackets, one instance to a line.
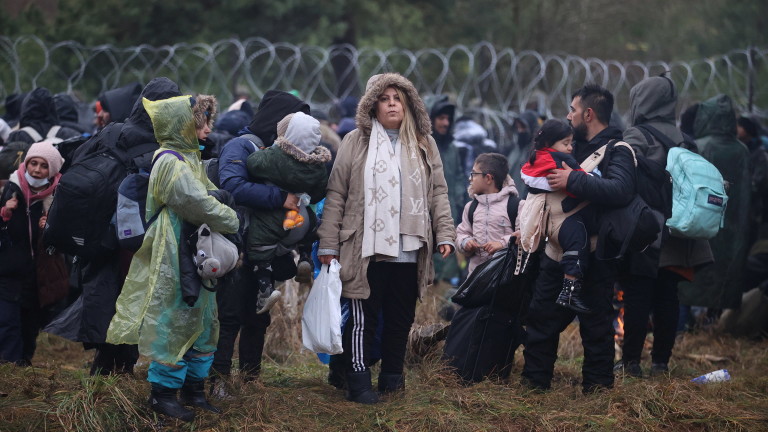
[150, 311]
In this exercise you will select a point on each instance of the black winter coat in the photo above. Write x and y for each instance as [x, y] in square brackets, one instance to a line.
[616, 185]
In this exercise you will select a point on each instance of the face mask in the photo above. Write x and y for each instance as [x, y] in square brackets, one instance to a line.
[35, 183]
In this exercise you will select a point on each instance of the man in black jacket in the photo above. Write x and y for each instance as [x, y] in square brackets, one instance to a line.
[589, 115]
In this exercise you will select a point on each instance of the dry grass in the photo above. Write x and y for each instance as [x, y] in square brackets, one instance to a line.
[57, 394]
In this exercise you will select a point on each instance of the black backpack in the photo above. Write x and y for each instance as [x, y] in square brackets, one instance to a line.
[80, 220]
[631, 228]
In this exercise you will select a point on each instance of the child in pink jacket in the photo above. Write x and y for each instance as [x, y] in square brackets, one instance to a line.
[491, 229]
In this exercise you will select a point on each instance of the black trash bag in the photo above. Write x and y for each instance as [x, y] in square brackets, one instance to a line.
[478, 288]
[67, 323]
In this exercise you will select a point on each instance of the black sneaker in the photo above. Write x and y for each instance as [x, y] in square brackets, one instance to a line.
[631, 368]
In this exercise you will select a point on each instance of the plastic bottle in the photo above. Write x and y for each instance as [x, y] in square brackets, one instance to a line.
[715, 376]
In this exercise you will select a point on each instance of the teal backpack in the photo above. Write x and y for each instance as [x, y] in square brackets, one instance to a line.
[698, 195]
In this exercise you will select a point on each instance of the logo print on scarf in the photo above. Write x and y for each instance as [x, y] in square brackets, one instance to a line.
[417, 206]
[379, 194]
[393, 181]
[378, 225]
[393, 211]
[380, 167]
[416, 177]
[391, 240]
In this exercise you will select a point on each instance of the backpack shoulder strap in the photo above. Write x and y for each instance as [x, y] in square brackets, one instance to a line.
[53, 131]
[471, 213]
[32, 133]
[179, 156]
[616, 143]
[662, 138]
[512, 205]
[255, 141]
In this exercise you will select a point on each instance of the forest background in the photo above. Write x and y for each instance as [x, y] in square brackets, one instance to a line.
[607, 29]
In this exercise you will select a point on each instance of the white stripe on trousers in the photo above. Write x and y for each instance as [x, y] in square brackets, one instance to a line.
[358, 334]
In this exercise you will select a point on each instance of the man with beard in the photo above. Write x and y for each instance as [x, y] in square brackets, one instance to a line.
[441, 114]
[590, 112]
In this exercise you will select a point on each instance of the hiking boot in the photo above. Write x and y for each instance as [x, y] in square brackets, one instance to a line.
[267, 295]
[359, 388]
[565, 295]
[389, 382]
[163, 400]
[575, 302]
[631, 368]
[659, 369]
[193, 394]
[304, 269]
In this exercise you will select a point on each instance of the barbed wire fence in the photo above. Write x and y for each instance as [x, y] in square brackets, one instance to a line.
[489, 83]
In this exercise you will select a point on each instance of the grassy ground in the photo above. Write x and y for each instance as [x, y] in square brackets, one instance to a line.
[57, 394]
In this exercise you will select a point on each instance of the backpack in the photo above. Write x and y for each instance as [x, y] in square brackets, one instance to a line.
[512, 204]
[80, 220]
[51, 135]
[130, 216]
[698, 195]
[631, 228]
[11, 156]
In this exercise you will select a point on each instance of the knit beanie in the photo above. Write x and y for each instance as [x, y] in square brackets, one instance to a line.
[45, 149]
[301, 130]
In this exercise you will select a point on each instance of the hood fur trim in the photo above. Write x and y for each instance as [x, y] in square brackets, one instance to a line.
[204, 103]
[364, 116]
[319, 155]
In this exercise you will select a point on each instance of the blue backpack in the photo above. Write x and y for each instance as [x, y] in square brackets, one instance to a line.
[698, 195]
[130, 217]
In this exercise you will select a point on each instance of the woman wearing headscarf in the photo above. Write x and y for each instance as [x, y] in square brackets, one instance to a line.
[151, 311]
[386, 210]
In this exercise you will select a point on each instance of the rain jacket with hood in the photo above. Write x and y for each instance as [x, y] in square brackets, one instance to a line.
[489, 223]
[38, 111]
[720, 285]
[150, 310]
[342, 228]
[652, 102]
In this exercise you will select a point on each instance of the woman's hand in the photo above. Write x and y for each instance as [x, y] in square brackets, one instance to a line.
[445, 250]
[326, 259]
[12, 203]
[291, 202]
[43, 220]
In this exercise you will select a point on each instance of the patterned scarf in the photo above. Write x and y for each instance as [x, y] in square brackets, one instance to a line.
[395, 196]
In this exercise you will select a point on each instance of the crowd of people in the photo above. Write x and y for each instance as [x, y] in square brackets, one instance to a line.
[413, 196]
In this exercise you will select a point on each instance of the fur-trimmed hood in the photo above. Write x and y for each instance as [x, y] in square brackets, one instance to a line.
[376, 86]
[320, 155]
[204, 104]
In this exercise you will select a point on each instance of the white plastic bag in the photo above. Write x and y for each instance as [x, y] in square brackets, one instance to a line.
[321, 322]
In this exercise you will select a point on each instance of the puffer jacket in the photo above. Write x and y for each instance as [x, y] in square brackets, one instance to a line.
[342, 227]
[490, 222]
[720, 285]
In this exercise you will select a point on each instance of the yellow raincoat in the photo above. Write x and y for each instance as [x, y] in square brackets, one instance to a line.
[150, 311]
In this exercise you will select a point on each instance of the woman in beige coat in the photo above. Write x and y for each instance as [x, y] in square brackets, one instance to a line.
[386, 210]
